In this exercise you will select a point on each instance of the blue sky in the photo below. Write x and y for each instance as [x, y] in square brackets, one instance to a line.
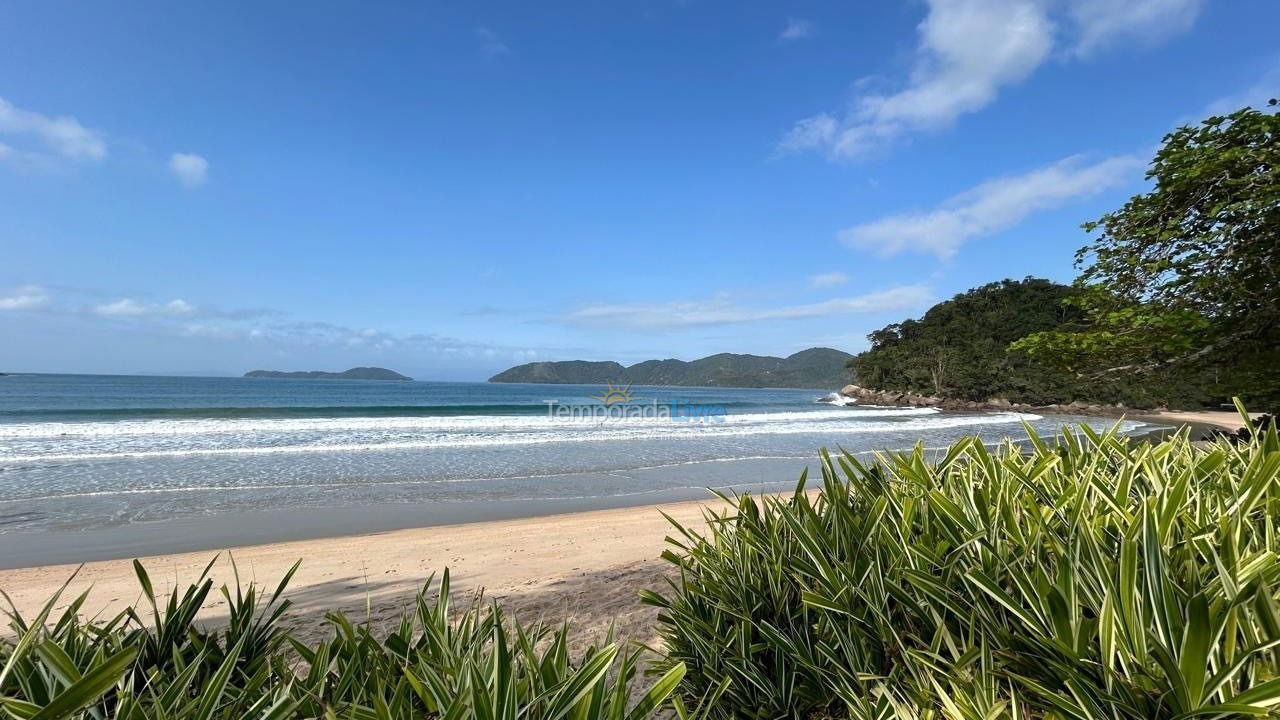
[450, 189]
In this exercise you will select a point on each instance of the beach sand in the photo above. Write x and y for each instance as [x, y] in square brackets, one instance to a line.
[587, 567]
[1226, 419]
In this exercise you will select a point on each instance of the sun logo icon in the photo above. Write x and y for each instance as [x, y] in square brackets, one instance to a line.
[615, 394]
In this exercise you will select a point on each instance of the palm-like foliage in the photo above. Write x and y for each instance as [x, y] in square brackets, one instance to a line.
[438, 663]
[1093, 577]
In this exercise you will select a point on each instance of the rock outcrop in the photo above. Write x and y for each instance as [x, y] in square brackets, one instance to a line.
[867, 396]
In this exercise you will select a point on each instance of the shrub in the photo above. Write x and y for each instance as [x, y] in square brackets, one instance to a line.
[1093, 577]
[438, 663]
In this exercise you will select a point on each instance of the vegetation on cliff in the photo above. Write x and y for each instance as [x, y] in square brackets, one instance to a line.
[1178, 301]
[960, 349]
[1186, 276]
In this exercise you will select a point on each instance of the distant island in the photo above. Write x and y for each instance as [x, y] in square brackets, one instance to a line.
[356, 373]
[812, 368]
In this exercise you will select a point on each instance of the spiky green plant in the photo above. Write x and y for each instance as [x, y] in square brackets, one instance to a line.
[1092, 577]
[438, 663]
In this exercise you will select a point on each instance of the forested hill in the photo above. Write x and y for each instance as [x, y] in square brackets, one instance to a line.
[812, 368]
[960, 349]
[356, 373]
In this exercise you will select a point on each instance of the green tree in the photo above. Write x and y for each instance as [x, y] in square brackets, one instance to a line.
[1182, 281]
[959, 348]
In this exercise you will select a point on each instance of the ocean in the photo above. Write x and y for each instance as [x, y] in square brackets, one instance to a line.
[85, 454]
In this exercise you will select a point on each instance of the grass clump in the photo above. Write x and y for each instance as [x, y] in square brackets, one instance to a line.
[1093, 577]
[439, 662]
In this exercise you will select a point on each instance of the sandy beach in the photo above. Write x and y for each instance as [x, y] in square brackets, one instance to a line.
[588, 566]
[1226, 419]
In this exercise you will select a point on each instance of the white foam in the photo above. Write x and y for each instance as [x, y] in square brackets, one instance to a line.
[837, 399]
[832, 424]
[462, 423]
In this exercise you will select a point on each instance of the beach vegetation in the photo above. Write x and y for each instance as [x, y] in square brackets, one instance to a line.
[1085, 577]
[439, 661]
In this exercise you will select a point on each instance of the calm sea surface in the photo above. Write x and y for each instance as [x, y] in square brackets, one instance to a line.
[84, 452]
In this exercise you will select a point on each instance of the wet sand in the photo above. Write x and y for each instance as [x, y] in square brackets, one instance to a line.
[587, 566]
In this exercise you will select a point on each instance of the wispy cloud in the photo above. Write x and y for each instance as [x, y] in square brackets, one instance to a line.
[26, 297]
[128, 307]
[796, 29]
[990, 207]
[63, 135]
[190, 169]
[721, 311]
[490, 44]
[830, 279]
[968, 52]
[1101, 23]
[258, 328]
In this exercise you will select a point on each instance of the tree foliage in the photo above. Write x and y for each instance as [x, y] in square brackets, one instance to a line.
[958, 349]
[968, 348]
[1185, 276]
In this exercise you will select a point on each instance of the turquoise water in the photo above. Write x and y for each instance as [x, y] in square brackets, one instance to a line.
[81, 451]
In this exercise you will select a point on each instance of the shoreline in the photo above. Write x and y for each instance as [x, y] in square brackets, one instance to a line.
[547, 566]
[248, 526]
[539, 564]
[1224, 419]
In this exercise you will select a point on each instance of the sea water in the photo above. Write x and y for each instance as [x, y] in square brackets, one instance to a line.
[81, 452]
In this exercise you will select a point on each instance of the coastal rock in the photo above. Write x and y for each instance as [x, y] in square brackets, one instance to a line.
[867, 396]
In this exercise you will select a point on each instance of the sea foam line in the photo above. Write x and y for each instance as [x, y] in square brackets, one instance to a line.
[597, 433]
[470, 423]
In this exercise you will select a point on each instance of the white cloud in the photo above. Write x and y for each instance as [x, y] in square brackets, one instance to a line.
[990, 207]
[189, 168]
[830, 279]
[1103, 22]
[796, 29]
[63, 135]
[128, 307]
[490, 44]
[968, 52]
[720, 311]
[26, 297]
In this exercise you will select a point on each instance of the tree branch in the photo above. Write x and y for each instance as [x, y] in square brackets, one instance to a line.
[1180, 360]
